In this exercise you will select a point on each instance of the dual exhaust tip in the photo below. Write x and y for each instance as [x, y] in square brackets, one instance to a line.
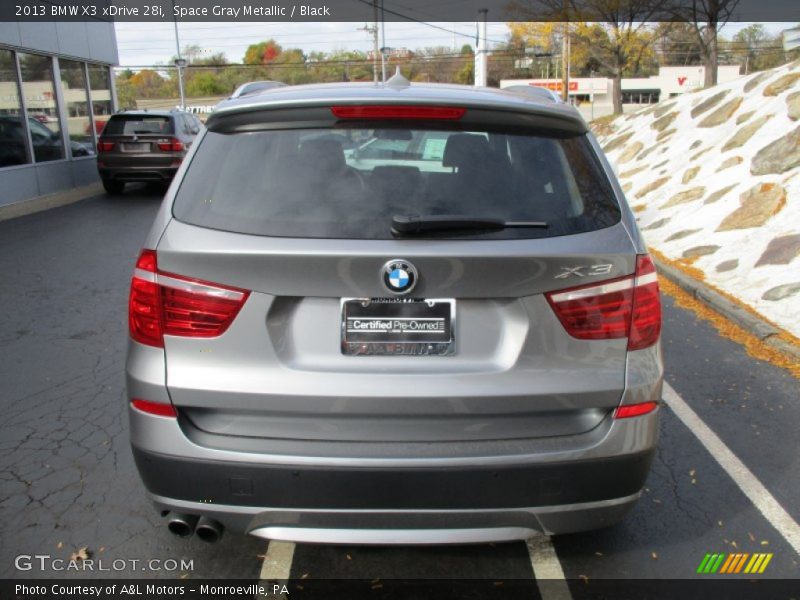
[182, 525]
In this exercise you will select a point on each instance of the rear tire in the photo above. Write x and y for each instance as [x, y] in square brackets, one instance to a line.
[114, 188]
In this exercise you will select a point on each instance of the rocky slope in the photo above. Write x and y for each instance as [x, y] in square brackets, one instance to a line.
[714, 180]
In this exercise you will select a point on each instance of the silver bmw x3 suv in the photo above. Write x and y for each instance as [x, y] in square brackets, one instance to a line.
[394, 314]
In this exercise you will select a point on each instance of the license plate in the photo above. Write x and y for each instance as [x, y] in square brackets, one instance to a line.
[402, 327]
[141, 147]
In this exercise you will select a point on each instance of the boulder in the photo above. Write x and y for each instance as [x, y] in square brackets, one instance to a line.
[727, 265]
[781, 292]
[630, 152]
[689, 195]
[781, 250]
[744, 116]
[741, 137]
[682, 234]
[699, 251]
[665, 134]
[730, 162]
[757, 79]
[617, 142]
[709, 103]
[793, 106]
[658, 223]
[778, 156]
[626, 187]
[699, 154]
[690, 174]
[695, 144]
[781, 84]
[713, 197]
[722, 114]
[652, 186]
[663, 109]
[631, 172]
[664, 122]
[757, 206]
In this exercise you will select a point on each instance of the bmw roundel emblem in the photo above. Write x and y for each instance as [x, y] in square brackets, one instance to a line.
[399, 276]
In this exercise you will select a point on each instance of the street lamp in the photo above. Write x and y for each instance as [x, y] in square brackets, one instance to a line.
[180, 63]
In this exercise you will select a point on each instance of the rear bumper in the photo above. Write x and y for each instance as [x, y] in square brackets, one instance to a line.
[144, 173]
[384, 501]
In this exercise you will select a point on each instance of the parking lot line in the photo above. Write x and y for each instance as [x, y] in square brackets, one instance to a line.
[755, 491]
[547, 569]
[277, 563]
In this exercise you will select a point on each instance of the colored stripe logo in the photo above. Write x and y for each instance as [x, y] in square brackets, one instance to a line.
[728, 564]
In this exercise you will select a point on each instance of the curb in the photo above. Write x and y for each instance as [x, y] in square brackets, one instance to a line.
[40, 203]
[764, 331]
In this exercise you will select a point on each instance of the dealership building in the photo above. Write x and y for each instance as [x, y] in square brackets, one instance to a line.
[592, 95]
[56, 93]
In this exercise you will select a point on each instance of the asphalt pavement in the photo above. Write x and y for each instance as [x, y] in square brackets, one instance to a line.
[67, 478]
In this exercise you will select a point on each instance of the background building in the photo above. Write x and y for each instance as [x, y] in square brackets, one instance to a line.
[56, 92]
[592, 95]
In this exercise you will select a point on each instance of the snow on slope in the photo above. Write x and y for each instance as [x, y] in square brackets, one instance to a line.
[714, 179]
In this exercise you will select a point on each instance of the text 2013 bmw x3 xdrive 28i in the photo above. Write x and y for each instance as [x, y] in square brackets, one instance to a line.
[394, 314]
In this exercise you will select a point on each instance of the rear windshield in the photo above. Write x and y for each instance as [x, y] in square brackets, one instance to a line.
[138, 124]
[349, 183]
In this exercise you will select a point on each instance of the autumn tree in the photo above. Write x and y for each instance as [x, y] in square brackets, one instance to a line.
[262, 53]
[706, 17]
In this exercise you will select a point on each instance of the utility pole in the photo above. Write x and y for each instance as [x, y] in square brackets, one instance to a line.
[565, 63]
[481, 56]
[383, 44]
[179, 62]
[375, 46]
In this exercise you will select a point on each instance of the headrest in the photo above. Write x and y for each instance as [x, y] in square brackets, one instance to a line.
[465, 149]
[326, 155]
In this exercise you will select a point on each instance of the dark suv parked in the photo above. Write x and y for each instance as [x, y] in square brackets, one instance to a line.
[144, 146]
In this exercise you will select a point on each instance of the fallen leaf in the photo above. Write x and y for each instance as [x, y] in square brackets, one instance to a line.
[764, 543]
[184, 576]
[692, 472]
[377, 586]
[656, 500]
[585, 578]
[80, 554]
[60, 545]
[719, 523]
[349, 557]
[304, 576]
[497, 583]
[102, 549]
[734, 544]
[598, 554]
[654, 555]
[751, 536]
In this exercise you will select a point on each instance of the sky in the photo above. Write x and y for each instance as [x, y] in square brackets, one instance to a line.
[145, 44]
[142, 44]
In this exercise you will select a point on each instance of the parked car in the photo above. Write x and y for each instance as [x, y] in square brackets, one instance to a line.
[255, 87]
[144, 146]
[47, 144]
[458, 343]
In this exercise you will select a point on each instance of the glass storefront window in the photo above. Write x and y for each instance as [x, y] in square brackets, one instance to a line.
[100, 90]
[76, 99]
[40, 101]
[12, 134]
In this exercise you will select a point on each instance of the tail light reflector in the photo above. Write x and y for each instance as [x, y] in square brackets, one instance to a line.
[105, 146]
[154, 408]
[617, 308]
[173, 145]
[168, 304]
[398, 111]
[634, 410]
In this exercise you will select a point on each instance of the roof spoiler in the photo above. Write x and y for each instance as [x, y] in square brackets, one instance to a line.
[534, 92]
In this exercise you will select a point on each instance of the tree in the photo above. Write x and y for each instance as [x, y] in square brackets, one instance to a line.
[756, 49]
[706, 17]
[262, 53]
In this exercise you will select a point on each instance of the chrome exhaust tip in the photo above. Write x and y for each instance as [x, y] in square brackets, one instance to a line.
[209, 530]
[182, 525]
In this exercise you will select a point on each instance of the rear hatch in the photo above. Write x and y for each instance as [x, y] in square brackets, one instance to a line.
[139, 140]
[340, 327]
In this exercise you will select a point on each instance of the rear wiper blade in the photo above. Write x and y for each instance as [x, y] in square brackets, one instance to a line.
[410, 224]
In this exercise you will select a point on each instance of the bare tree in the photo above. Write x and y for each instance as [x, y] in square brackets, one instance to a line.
[706, 17]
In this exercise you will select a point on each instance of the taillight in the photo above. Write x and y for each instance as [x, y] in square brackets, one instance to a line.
[173, 145]
[168, 304]
[617, 308]
[646, 318]
[105, 146]
[154, 408]
[634, 410]
[390, 111]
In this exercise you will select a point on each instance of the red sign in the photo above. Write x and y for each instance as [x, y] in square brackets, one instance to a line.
[556, 86]
[682, 80]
